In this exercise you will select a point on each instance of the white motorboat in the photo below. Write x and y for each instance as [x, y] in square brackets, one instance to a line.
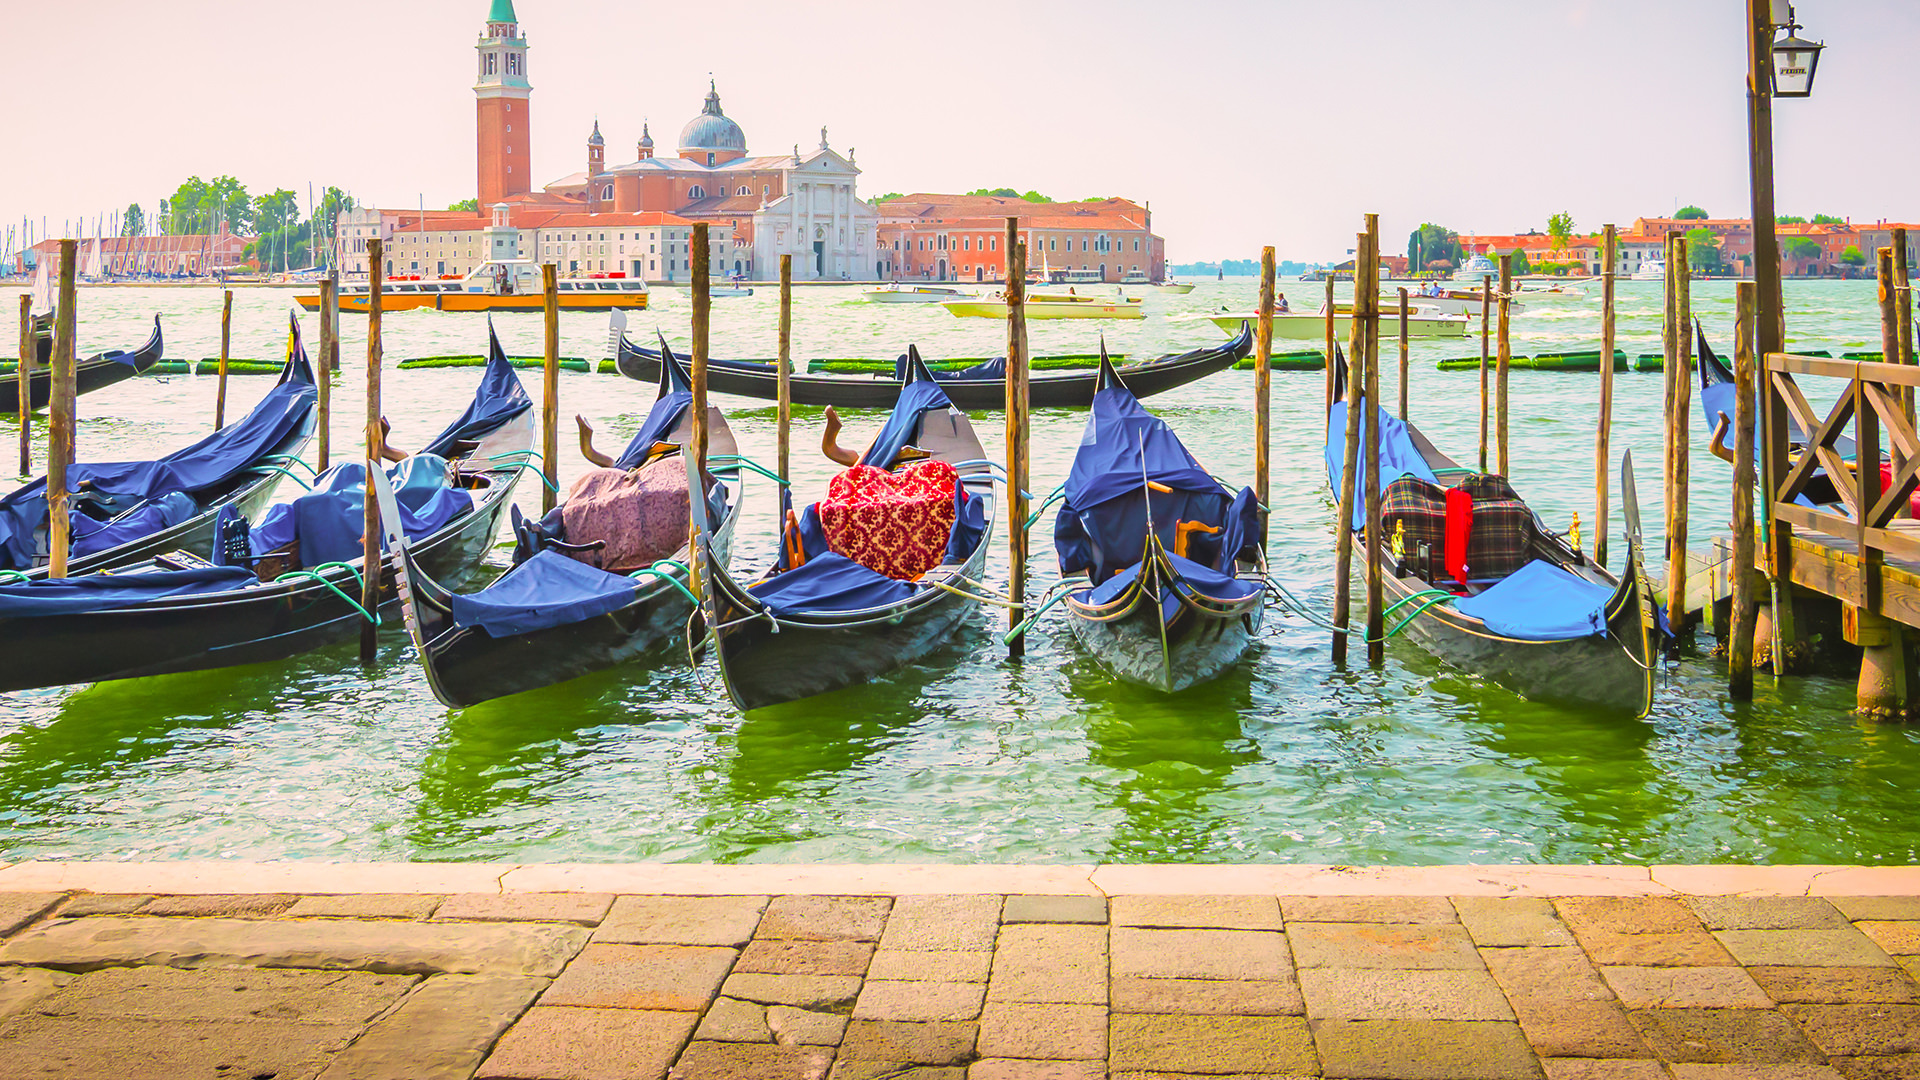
[911, 294]
[1478, 267]
[1300, 326]
[1048, 305]
[1651, 270]
[1443, 300]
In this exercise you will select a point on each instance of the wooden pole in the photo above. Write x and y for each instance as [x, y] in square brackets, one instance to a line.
[1903, 328]
[1016, 433]
[1602, 454]
[1330, 338]
[60, 421]
[1740, 648]
[1677, 430]
[370, 539]
[1263, 388]
[1403, 353]
[550, 392]
[1350, 460]
[1504, 361]
[329, 354]
[226, 351]
[1376, 596]
[1769, 318]
[702, 318]
[24, 381]
[1486, 327]
[784, 414]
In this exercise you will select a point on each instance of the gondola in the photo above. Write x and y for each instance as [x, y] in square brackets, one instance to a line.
[1536, 617]
[262, 599]
[1174, 582]
[127, 512]
[820, 621]
[1716, 410]
[979, 388]
[552, 618]
[90, 374]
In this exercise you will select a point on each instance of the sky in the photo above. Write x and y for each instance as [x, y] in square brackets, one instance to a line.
[1241, 123]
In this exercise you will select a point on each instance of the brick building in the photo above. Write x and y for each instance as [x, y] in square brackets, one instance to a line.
[958, 238]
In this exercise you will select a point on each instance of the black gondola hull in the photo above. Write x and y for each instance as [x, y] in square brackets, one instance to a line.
[1047, 390]
[468, 666]
[244, 626]
[90, 374]
[1196, 646]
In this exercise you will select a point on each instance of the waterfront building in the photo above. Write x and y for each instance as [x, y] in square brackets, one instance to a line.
[451, 243]
[186, 255]
[933, 237]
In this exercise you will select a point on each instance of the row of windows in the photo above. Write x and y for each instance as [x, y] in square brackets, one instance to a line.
[966, 243]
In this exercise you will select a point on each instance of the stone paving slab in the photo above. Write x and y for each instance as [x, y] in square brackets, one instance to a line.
[516, 973]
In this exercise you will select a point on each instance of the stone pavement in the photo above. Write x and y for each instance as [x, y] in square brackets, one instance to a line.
[292, 970]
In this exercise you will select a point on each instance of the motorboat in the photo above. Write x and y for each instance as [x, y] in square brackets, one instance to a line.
[500, 285]
[1444, 300]
[1476, 268]
[1651, 270]
[1049, 305]
[1305, 326]
[897, 293]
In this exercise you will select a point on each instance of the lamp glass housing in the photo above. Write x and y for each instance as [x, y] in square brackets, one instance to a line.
[1794, 62]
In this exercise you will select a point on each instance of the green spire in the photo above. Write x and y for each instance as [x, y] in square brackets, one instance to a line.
[502, 12]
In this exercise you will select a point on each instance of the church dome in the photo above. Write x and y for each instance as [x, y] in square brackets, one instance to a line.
[711, 130]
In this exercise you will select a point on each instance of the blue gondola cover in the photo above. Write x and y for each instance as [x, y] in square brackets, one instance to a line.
[500, 398]
[1398, 456]
[1541, 602]
[903, 423]
[328, 521]
[829, 582]
[547, 590]
[102, 592]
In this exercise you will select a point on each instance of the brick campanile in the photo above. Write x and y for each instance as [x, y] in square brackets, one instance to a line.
[505, 122]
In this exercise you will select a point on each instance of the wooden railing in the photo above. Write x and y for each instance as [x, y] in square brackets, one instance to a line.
[1873, 404]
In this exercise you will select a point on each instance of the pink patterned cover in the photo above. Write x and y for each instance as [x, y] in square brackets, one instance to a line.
[640, 513]
[895, 524]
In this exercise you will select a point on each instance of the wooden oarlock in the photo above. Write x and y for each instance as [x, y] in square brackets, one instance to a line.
[226, 352]
[1263, 389]
[1017, 433]
[376, 453]
[60, 417]
[1602, 453]
[1740, 647]
[550, 391]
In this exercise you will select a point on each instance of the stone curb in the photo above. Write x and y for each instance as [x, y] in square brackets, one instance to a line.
[893, 879]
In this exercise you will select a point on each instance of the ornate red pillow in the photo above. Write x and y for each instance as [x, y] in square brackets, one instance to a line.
[893, 523]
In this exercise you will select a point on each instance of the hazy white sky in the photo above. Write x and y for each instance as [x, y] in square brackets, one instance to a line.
[1243, 123]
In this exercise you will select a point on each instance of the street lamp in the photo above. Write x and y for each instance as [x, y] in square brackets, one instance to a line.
[1795, 60]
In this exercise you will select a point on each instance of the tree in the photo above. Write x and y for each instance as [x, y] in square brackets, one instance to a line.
[1802, 248]
[1689, 213]
[1560, 227]
[471, 206]
[276, 212]
[1432, 243]
[1703, 250]
[888, 195]
[1853, 256]
[999, 192]
[1828, 219]
[199, 206]
[1520, 264]
[1789, 219]
[1036, 197]
[135, 223]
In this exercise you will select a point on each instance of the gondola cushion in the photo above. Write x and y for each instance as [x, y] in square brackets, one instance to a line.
[1419, 510]
[1503, 528]
[896, 524]
[641, 514]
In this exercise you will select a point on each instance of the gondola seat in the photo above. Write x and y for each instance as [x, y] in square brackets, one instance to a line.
[894, 523]
[620, 520]
[1498, 528]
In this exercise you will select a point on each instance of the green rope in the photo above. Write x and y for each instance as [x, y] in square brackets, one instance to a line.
[1059, 493]
[289, 459]
[522, 454]
[283, 471]
[1059, 593]
[749, 464]
[14, 575]
[668, 577]
[315, 575]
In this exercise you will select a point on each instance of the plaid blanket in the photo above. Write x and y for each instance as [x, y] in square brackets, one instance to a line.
[1503, 531]
[1421, 509]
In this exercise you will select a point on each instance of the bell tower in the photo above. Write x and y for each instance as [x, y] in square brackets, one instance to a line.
[502, 92]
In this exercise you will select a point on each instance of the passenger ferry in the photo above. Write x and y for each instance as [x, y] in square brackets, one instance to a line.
[503, 285]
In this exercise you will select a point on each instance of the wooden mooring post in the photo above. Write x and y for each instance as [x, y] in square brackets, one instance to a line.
[23, 380]
[376, 453]
[1740, 643]
[1404, 353]
[1602, 453]
[550, 391]
[1263, 388]
[702, 321]
[1350, 460]
[1369, 286]
[226, 353]
[1016, 435]
[1679, 420]
[1486, 329]
[1327, 307]
[1505, 362]
[328, 361]
[61, 427]
[783, 412]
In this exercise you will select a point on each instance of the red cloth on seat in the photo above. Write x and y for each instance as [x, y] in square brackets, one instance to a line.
[1459, 530]
[895, 524]
[1886, 481]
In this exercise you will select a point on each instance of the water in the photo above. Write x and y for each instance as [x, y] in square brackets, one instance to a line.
[964, 757]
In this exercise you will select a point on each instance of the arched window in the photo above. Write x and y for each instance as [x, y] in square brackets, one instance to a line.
[607, 192]
[744, 190]
[696, 192]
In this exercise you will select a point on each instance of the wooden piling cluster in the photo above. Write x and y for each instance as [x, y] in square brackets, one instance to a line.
[550, 391]
[1363, 393]
[1017, 425]
[1263, 388]
[1367, 281]
[60, 417]
[1602, 452]
[370, 539]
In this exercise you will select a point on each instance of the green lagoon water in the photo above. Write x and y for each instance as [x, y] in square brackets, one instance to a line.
[966, 756]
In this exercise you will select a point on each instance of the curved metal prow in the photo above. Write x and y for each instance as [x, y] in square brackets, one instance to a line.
[586, 444]
[1109, 376]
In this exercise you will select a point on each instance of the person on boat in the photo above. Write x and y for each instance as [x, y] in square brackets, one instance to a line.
[1280, 304]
